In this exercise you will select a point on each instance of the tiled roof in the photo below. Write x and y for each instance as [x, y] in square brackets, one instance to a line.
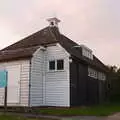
[27, 46]
[20, 53]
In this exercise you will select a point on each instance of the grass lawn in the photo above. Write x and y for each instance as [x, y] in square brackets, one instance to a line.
[11, 117]
[99, 110]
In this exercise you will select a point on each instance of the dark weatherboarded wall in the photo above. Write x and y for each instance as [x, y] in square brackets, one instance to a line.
[92, 90]
[84, 90]
[78, 82]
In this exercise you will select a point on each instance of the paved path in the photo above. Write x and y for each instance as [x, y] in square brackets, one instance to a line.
[56, 117]
[112, 117]
[59, 117]
[84, 118]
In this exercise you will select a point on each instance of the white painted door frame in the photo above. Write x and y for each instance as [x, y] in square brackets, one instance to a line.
[13, 84]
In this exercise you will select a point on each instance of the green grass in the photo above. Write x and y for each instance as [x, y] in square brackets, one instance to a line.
[11, 117]
[99, 110]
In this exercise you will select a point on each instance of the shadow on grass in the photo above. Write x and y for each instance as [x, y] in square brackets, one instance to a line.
[97, 110]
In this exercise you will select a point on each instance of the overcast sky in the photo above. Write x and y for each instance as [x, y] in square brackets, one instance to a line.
[95, 23]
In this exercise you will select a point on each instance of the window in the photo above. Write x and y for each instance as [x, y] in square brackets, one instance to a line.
[104, 77]
[56, 65]
[60, 64]
[92, 73]
[52, 65]
[87, 52]
[101, 76]
[95, 74]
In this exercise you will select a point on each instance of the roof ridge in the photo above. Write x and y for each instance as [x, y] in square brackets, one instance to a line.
[44, 37]
[24, 38]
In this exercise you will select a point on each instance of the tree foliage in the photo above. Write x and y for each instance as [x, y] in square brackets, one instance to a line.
[114, 82]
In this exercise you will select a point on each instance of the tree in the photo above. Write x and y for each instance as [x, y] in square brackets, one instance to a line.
[114, 82]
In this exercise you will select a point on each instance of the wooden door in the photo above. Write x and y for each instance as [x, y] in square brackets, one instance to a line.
[13, 84]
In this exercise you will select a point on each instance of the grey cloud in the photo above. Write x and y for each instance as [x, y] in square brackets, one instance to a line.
[91, 22]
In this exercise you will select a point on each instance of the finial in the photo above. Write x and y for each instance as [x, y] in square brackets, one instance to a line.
[53, 22]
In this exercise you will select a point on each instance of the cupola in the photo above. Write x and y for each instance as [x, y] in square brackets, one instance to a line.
[53, 22]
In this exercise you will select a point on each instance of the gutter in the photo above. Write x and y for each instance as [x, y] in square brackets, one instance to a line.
[29, 96]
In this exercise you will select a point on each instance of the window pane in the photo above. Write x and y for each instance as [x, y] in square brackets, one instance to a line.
[51, 65]
[60, 64]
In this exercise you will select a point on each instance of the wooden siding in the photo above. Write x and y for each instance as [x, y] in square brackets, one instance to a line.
[78, 83]
[85, 90]
[49, 88]
[57, 83]
[24, 82]
[37, 68]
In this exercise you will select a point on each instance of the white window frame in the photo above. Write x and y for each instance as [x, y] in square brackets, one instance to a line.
[92, 73]
[87, 53]
[63, 64]
[95, 74]
[49, 65]
[55, 70]
[101, 76]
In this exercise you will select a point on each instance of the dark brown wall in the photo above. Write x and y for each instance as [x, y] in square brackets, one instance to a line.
[92, 91]
[78, 81]
[84, 90]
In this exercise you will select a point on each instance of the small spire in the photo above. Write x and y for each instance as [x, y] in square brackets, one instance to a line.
[53, 22]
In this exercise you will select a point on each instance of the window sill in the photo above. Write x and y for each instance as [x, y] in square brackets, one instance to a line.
[53, 71]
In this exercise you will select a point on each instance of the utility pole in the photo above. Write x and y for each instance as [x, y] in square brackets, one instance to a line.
[3, 84]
